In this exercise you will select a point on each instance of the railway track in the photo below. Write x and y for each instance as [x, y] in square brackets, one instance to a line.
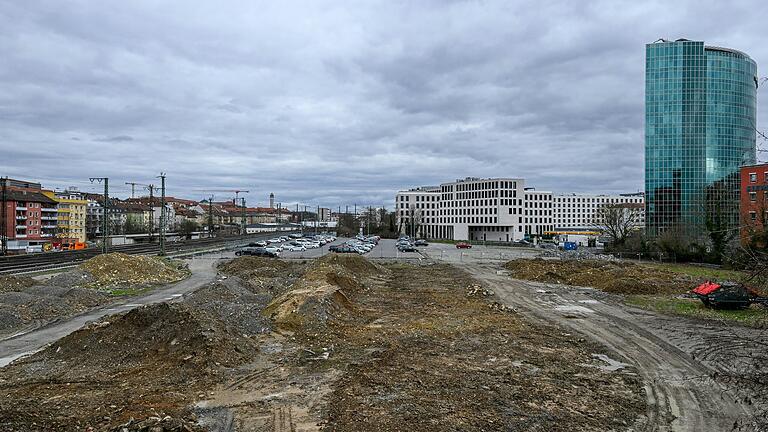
[54, 260]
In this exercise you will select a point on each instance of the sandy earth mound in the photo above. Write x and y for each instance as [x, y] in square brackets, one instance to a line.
[116, 269]
[613, 277]
[322, 294]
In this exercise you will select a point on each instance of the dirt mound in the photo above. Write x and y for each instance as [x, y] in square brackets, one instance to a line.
[322, 294]
[150, 339]
[151, 361]
[15, 283]
[614, 277]
[117, 269]
[353, 263]
[234, 304]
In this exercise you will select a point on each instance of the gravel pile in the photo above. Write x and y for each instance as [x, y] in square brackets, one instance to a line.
[119, 269]
[15, 283]
[229, 301]
[576, 255]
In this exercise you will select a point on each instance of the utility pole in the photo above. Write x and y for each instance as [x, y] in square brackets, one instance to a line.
[105, 221]
[4, 217]
[151, 189]
[279, 212]
[133, 188]
[162, 214]
[242, 221]
[210, 217]
[317, 218]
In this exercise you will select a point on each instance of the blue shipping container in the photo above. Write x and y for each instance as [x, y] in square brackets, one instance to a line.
[569, 246]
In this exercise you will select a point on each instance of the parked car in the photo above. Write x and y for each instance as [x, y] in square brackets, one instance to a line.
[345, 249]
[256, 251]
[274, 249]
[407, 248]
[463, 245]
[421, 242]
[273, 240]
[294, 248]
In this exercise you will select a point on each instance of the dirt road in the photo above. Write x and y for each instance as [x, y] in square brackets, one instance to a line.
[681, 396]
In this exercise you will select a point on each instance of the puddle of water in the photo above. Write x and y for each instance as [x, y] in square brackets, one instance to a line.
[573, 308]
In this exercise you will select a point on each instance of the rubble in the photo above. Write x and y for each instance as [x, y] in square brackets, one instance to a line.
[611, 276]
[579, 254]
[119, 269]
[15, 283]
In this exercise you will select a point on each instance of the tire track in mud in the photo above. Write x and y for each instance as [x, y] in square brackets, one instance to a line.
[679, 392]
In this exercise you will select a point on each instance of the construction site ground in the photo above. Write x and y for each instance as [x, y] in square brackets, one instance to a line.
[697, 374]
[342, 343]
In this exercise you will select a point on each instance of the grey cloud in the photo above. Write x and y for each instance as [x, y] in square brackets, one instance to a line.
[336, 105]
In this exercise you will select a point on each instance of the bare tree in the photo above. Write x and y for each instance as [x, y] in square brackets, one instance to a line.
[617, 221]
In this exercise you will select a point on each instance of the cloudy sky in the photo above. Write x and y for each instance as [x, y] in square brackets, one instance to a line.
[332, 104]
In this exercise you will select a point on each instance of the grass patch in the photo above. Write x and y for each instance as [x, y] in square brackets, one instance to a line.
[127, 292]
[701, 271]
[754, 316]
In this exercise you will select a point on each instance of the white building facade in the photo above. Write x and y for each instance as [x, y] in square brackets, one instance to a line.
[582, 211]
[501, 209]
[494, 209]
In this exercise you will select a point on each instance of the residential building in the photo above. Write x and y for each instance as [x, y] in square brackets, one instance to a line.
[94, 216]
[583, 211]
[754, 200]
[700, 117]
[72, 214]
[30, 217]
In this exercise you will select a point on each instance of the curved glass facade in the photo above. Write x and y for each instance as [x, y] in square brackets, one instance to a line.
[700, 117]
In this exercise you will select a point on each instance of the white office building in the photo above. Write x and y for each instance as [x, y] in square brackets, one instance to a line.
[496, 209]
[501, 209]
[583, 212]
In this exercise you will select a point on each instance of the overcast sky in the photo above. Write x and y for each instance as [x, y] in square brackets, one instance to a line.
[331, 104]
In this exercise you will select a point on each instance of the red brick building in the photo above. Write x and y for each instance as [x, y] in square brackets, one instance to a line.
[753, 200]
[30, 216]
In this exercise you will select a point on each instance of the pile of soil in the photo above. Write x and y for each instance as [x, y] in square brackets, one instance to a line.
[119, 269]
[232, 302]
[151, 360]
[15, 283]
[322, 294]
[264, 275]
[613, 277]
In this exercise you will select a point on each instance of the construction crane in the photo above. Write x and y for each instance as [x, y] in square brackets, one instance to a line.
[235, 200]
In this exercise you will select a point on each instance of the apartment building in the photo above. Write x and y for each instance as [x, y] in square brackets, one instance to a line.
[72, 214]
[753, 205]
[583, 211]
[28, 218]
[492, 209]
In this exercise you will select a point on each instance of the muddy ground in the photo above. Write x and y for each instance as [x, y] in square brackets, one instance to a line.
[698, 375]
[340, 344]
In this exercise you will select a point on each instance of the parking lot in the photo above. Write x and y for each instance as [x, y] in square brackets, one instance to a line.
[448, 252]
[386, 249]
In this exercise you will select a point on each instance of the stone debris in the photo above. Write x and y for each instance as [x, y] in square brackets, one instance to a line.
[118, 269]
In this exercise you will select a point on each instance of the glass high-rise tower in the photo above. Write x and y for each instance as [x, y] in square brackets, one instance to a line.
[700, 120]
